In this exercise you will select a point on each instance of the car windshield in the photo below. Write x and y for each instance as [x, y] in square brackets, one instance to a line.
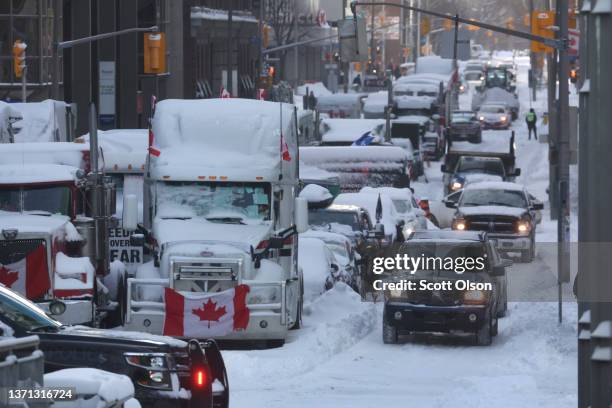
[236, 203]
[492, 109]
[474, 165]
[463, 117]
[327, 217]
[506, 198]
[52, 200]
[435, 254]
[18, 311]
[402, 206]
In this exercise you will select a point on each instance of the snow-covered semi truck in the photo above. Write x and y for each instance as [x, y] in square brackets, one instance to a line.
[220, 213]
[53, 213]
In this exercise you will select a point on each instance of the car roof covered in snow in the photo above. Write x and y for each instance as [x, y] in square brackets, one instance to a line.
[353, 154]
[235, 138]
[434, 64]
[413, 119]
[393, 192]
[376, 101]
[495, 185]
[349, 130]
[40, 121]
[125, 150]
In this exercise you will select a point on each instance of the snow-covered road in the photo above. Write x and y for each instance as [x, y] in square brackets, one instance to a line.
[339, 360]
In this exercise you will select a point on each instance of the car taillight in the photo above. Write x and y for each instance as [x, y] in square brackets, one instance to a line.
[200, 378]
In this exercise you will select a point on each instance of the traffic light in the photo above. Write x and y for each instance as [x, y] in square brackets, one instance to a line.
[266, 36]
[573, 75]
[19, 56]
[154, 53]
[425, 26]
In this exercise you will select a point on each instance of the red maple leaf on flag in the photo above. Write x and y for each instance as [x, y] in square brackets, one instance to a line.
[8, 277]
[209, 312]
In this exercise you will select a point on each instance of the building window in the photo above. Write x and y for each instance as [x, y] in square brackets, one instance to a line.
[30, 21]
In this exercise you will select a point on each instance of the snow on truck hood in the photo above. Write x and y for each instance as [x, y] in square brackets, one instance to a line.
[177, 231]
[55, 225]
[216, 137]
[492, 210]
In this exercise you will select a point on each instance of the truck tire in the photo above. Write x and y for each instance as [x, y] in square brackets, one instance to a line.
[298, 320]
[117, 316]
[484, 336]
[389, 333]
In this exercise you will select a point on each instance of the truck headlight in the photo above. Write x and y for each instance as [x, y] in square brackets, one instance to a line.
[503, 118]
[523, 227]
[151, 370]
[456, 185]
[409, 228]
[475, 297]
[459, 224]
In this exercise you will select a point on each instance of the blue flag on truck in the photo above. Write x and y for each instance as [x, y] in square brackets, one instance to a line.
[365, 140]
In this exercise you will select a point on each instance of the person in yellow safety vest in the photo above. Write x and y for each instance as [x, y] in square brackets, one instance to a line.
[531, 120]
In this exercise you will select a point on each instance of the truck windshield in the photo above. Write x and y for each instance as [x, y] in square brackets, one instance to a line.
[21, 312]
[473, 165]
[53, 200]
[507, 198]
[235, 203]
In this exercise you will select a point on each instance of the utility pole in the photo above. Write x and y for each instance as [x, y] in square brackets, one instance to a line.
[372, 41]
[229, 76]
[345, 64]
[260, 62]
[563, 222]
[417, 47]
[532, 60]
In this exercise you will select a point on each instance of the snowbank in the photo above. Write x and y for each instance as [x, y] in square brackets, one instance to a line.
[109, 387]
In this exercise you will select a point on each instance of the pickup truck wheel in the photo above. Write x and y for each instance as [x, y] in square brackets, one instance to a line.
[495, 328]
[484, 336]
[389, 333]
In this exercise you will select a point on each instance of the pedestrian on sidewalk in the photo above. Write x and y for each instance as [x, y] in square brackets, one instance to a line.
[531, 120]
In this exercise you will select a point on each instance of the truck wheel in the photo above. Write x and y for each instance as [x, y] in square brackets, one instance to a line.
[389, 333]
[484, 336]
[117, 317]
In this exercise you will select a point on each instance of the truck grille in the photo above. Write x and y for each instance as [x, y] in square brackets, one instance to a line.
[205, 276]
[491, 224]
[15, 250]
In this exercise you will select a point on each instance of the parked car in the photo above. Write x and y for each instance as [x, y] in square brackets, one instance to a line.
[504, 210]
[494, 117]
[159, 367]
[348, 260]
[405, 205]
[465, 126]
[318, 264]
[430, 310]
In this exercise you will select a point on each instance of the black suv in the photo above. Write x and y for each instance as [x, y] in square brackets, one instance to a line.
[430, 309]
[465, 126]
[162, 369]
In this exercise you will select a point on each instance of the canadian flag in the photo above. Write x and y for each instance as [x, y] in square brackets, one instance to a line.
[29, 276]
[202, 315]
[285, 150]
[225, 94]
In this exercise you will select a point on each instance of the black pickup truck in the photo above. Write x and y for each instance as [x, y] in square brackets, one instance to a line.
[166, 372]
[439, 303]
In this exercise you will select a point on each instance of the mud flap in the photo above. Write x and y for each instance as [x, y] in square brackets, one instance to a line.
[207, 356]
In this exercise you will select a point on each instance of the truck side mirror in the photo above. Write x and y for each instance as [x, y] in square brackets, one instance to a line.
[517, 172]
[443, 168]
[301, 215]
[450, 204]
[130, 212]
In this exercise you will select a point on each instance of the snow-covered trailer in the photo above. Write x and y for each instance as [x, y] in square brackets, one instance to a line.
[49, 242]
[361, 166]
[220, 215]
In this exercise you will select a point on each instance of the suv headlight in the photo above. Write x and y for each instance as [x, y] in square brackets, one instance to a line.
[151, 370]
[475, 297]
[459, 224]
[456, 185]
[409, 228]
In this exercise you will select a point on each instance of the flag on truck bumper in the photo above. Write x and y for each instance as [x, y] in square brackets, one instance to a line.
[28, 276]
[202, 315]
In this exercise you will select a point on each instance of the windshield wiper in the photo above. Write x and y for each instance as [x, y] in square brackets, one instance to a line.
[232, 220]
[176, 218]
